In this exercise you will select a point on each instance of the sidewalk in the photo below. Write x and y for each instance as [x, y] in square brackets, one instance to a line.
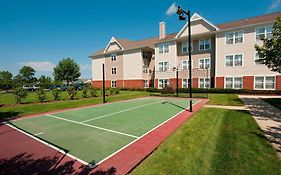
[267, 117]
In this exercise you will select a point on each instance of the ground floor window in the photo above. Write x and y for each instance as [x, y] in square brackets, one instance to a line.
[233, 82]
[265, 83]
[146, 84]
[185, 83]
[204, 82]
[163, 83]
[113, 84]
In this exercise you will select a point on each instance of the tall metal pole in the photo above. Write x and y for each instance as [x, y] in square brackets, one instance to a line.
[103, 83]
[189, 55]
[177, 90]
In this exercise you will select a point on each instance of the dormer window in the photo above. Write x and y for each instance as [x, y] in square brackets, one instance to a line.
[164, 48]
[204, 44]
[185, 47]
[113, 57]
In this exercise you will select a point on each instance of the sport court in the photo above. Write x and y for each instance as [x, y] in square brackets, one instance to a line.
[93, 134]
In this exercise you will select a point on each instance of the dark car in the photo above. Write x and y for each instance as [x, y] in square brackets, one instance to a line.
[59, 87]
[78, 86]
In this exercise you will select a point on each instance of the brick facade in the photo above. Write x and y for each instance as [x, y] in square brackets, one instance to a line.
[248, 82]
[219, 82]
[195, 83]
[278, 82]
[98, 84]
[134, 83]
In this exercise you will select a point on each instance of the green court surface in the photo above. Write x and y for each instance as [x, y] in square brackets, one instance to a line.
[94, 133]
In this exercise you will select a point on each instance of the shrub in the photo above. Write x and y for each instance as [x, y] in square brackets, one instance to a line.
[41, 95]
[20, 94]
[151, 89]
[112, 91]
[107, 92]
[168, 90]
[71, 92]
[57, 94]
[93, 92]
[84, 92]
[117, 91]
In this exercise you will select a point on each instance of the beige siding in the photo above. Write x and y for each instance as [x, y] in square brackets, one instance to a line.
[171, 57]
[110, 64]
[132, 64]
[113, 46]
[97, 68]
[198, 27]
[247, 49]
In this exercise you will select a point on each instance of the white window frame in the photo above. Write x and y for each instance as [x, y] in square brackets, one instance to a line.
[205, 80]
[187, 64]
[234, 36]
[113, 57]
[233, 60]
[113, 70]
[265, 32]
[146, 84]
[255, 58]
[204, 40]
[144, 69]
[164, 68]
[115, 83]
[182, 82]
[264, 83]
[233, 82]
[164, 79]
[204, 64]
[186, 46]
[164, 48]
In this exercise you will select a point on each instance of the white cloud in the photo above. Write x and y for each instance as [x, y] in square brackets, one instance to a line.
[85, 67]
[172, 9]
[274, 5]
[40, 65]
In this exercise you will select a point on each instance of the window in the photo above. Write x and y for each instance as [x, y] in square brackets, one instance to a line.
[164, 48]
[185, 65]
[184, 47]
[234, 37]
[263, 32]
[163, 83]
[185, 83]
[113, 84]
[144, 69]
[113, 70]
[163, 66]
[146, 84]
[234, 60]
[204, 82]
[113, 57]
[265, 83]
[256, 58]
[145, 55]
[204, 44]
[204, 63]
[233, 82]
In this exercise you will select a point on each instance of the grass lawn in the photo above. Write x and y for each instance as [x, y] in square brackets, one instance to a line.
[214, 141]
[215, 99]
[6, 112]
[274, 102]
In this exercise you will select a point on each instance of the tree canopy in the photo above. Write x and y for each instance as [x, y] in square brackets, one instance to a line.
[270, 51]
[5, 80]
[44, 82]
[27, 75]
[66, 70]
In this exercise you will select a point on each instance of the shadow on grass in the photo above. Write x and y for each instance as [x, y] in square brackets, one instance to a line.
[25, 164]
[9, 115]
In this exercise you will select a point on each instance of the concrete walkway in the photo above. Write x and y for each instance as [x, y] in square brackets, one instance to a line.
[226, 107]
[267, 117]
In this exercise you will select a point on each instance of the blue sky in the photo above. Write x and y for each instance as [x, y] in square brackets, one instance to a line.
[40, 33]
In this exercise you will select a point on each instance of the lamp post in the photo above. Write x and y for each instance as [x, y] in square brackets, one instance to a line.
[181, 12]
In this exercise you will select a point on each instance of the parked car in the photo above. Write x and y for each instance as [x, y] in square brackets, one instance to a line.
[30, 88]
[78, 86]
[59, 87]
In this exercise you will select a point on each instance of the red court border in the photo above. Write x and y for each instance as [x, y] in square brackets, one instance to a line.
[125, 160]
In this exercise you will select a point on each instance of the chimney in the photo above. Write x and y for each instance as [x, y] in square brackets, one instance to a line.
[162, 30]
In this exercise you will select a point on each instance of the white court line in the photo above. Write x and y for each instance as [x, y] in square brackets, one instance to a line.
[119, 112]
[55, 148]
[92, 126]
[40, 133]
[143, 135]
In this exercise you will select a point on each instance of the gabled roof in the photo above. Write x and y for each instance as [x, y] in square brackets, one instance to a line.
[195, 17]
[112, 40]
[249, 21]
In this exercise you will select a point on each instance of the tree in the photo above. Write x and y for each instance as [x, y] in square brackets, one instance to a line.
[5, 80]
[44, 82]
[270, 51]
[27, 73]
[18, 81]
[67, 70]
[20, 94]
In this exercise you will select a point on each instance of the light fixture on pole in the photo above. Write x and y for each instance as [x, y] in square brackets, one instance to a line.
[181, 12]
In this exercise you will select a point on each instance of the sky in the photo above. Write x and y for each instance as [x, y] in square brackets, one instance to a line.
[40, 33]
